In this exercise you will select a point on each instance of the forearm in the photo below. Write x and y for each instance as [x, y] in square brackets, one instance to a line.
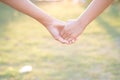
[25, 6]
[95, 8]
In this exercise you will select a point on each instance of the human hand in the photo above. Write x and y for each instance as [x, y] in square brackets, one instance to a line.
[71, 31]
[55, 29]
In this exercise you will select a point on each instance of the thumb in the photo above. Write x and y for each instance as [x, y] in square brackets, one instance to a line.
[55, 33]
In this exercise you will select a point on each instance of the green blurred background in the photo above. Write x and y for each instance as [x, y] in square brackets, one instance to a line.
[24, 41]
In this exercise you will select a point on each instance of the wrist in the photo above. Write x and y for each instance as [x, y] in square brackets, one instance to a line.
[47, 21]
[81, 23]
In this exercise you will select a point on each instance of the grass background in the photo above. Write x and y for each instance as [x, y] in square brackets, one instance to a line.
[24, 41]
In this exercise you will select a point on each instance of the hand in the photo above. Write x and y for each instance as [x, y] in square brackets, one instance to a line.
[55, 28]
[72, 30]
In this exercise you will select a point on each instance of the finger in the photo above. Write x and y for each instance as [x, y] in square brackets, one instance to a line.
[61, 27]
[70, 40]
[62, 33]
[73, 41]
[66, 36]
[60, 39]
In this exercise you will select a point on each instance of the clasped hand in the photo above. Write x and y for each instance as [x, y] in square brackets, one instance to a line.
[66, 32]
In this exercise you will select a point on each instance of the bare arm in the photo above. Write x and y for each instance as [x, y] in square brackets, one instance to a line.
[27, 7]
[53, 25]
[95, 8]
[74, 28]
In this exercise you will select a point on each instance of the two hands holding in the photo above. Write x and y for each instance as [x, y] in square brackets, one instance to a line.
[65, 32]
[68, 32]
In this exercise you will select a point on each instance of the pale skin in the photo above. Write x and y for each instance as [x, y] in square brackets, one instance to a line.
[75, 27]
[53, 25]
